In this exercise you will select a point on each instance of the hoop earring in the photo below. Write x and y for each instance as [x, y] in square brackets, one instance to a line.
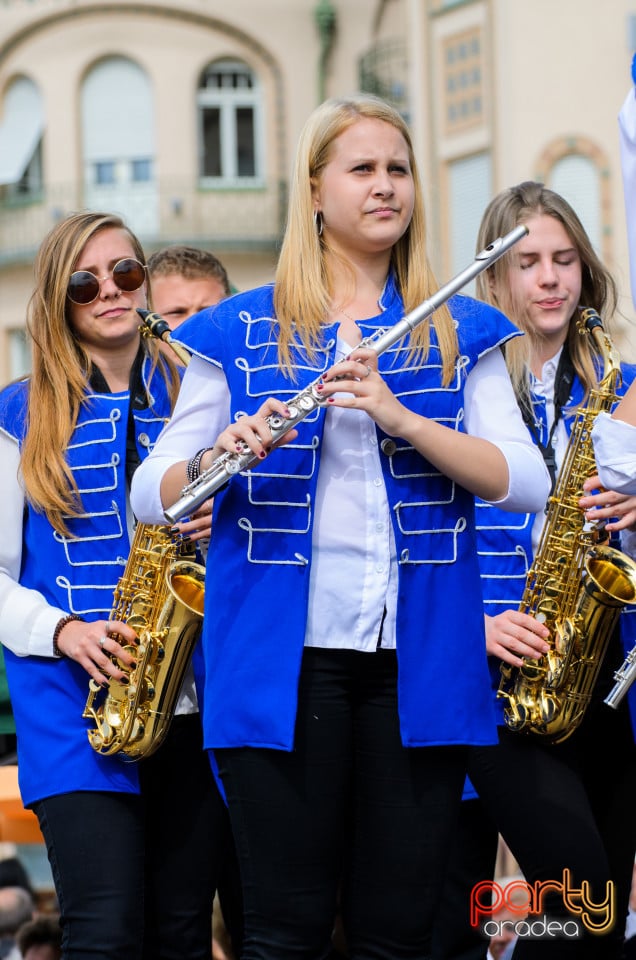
[318, 224]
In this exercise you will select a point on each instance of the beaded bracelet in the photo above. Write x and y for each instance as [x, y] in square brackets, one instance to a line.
[193, 470]
[58, 629]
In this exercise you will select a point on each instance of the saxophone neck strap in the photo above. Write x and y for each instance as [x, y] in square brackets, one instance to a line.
[563, 381]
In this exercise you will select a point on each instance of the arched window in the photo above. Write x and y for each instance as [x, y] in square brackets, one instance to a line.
[21, 131]
[230, 123]
[578, 169]
[118, 139]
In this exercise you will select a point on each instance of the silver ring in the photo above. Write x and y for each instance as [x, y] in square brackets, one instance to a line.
[102, 641]
[368, 371]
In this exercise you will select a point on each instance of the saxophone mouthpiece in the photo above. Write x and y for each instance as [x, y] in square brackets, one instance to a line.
[590, 318]
[155, 322]
[155, 326]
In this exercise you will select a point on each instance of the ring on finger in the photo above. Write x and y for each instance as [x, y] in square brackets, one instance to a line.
[368, 371]
[102, 641]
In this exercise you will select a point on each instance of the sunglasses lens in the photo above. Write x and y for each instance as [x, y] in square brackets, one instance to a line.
[83, 287]
[129, 274]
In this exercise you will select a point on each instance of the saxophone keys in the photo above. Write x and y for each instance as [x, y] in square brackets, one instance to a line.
[532, 670]
[563, 637]
[547, 708]
[516, 715]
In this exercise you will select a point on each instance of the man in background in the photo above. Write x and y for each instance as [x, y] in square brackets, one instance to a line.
[16, 907]
[184, 280]
[40, 939]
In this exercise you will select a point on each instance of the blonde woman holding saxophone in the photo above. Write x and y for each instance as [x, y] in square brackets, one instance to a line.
[560, 806]
[71, 435]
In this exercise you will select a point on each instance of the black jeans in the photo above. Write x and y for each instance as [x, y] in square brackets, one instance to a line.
[348, 804]
[95, 843]
[136, 876]
[473, 860]
[568, 805]
[189, 849]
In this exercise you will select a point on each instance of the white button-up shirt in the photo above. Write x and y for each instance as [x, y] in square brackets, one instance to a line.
[353, 579]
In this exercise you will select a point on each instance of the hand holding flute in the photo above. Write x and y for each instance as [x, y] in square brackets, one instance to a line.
[245, 447]
[272, 424]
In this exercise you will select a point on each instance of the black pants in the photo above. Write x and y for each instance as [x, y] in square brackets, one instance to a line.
[136, 876]
[568, 805]
[473, 859]
[189, 849]
[351, 803]
[95, 844]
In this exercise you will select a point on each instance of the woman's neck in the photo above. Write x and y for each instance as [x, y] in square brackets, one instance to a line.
[115, 365]
[357, 291]
[542, 351]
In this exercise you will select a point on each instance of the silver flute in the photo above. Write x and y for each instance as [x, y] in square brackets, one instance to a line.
[624, 678]
[228, 464]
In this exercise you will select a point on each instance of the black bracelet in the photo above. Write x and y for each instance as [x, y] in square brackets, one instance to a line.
[58, 629]
[193, 470]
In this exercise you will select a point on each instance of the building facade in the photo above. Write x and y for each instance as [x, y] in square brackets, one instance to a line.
[183, 115]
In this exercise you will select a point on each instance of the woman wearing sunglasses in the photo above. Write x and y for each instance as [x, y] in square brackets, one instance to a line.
[71, 436]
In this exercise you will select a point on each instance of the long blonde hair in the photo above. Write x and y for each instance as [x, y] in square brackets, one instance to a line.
[302, 291]
[61, 367]
[507, 210]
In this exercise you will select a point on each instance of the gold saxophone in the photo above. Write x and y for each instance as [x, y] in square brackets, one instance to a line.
[160, 595]
[576, 585]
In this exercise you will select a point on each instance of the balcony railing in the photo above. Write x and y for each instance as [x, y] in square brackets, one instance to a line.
[168, 212]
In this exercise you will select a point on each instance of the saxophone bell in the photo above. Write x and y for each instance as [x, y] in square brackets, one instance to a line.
[161, 596]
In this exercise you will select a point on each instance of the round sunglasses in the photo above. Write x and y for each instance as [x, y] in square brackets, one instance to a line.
[84, 286]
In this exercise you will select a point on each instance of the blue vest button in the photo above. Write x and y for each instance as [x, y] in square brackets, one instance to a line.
[388, 447]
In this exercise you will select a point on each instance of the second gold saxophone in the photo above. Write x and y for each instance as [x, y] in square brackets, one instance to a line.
[576, 585]
[160, 595]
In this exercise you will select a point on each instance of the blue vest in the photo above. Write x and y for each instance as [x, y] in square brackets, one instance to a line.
[78, 574]
[260, 554]
[505, 543]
